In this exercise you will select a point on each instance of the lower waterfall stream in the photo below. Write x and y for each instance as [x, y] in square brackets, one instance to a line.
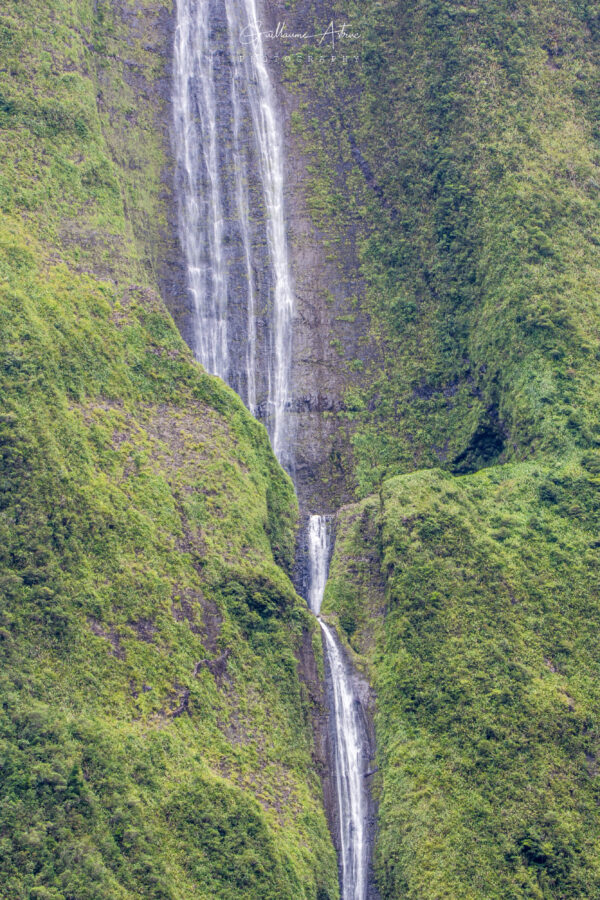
[349, 738]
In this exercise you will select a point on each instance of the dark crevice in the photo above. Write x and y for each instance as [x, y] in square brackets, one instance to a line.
[485, 446]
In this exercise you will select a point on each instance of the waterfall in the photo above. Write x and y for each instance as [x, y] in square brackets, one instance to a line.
[227, 140]
[243, 204]
[269, 141]
[230, 187]
[349, 735]
[318, 557]
[200, 197]
[349, 774]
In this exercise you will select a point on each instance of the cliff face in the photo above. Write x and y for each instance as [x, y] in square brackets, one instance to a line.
[441, 190]
[451, 175]
[333, 346]
[156, 736]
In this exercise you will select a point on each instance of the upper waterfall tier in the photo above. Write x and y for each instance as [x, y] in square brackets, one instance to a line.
[230, 179]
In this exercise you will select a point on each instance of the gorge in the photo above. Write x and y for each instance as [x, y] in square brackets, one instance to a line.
[227, 134]
[299, 450]
[350, 738]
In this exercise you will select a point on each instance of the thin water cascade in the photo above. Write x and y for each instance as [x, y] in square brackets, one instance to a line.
[318, 559]
[350, 773]
[200, 195]
[349, 738]
[228, 141]
[243, 205]
[269, 141]
[230, 187]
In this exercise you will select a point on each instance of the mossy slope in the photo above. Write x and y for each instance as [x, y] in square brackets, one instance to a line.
[155, 737]
[454, 153]
[474, 602]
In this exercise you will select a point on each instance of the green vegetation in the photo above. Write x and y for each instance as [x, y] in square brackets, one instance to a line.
[155, 738]
[455, 166]
[474, 601]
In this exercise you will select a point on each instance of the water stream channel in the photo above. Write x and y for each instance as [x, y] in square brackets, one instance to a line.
[230, 186]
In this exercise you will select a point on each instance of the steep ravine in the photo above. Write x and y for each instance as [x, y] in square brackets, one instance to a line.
[351, 737]
[160, 236]
[442, 198]
[230, 187]
[165, 731]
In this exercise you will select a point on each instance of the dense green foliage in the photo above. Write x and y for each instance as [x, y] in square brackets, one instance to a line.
[155, 738]
[481, 637]
[455, 168]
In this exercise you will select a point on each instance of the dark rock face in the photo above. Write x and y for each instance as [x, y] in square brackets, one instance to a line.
[330, 324]
[142, 54]
[325, 337]
[485, 446]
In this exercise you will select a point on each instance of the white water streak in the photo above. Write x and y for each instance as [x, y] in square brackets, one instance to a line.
[318, 556]
[242, 200]
[349, 774]
[270, 148]
[200, 207]
[349, 743]
[198, 110]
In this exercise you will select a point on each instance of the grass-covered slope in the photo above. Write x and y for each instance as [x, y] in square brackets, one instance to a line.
[154, 737]
[474, 602]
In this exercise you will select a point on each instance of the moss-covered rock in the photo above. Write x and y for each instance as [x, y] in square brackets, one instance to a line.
[452, 154]
[451, 158]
